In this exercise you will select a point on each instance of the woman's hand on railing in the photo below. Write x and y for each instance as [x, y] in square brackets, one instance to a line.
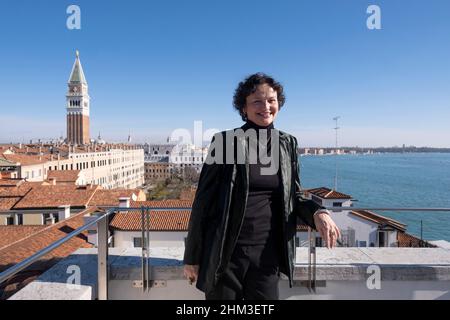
[191, 272]
[327, 228]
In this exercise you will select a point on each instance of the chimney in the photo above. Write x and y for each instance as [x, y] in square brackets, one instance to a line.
[124, 202]
[27, 150]
[52, 181]
[64, 212]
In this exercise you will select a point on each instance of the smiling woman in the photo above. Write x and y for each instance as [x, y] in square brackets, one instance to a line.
[259, 98]
[243, 219]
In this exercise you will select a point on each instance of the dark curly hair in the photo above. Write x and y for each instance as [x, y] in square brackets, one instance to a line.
[249, 85]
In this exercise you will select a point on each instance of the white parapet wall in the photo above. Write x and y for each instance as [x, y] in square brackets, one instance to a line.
[342, 273]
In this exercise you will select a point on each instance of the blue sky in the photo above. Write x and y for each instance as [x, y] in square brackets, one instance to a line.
[154, 66]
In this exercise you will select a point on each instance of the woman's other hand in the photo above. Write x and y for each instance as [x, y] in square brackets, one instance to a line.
[191, 272]
[327, 228]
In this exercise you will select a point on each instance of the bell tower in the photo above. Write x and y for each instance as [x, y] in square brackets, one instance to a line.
[77, 107]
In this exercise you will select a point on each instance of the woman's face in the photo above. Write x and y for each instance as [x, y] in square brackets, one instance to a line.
[262, 105]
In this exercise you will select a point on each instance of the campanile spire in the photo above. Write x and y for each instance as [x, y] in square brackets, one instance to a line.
[78, 105]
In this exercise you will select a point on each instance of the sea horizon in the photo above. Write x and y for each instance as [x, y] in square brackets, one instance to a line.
[390, 180]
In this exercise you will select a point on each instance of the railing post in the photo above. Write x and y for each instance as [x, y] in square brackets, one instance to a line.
[102, 246]
[144, 250]
[147, 245]
[311, 260]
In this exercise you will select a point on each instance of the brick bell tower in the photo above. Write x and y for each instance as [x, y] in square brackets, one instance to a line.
[77, 106]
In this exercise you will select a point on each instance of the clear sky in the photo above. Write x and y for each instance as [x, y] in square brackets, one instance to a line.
[154, 66]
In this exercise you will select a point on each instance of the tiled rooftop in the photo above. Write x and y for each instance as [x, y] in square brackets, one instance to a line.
[159, 221]
[11, 234]
[17, 194]
[25, 159]
[20, 249]
[407, 240]
[169, 220]
[175, 203]
[383, 220]
[111, 197]
[31, 152]
[49, 196]
[63, 175]
[326, 193]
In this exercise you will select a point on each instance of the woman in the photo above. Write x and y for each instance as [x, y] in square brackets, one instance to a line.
[244, 215]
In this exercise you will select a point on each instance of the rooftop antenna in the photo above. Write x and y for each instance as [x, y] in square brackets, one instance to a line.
[336, 151]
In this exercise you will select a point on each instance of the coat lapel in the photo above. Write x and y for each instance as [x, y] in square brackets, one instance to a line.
[286, 172]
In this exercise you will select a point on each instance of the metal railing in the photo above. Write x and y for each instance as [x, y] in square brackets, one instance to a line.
[312, 266]
[102, 243]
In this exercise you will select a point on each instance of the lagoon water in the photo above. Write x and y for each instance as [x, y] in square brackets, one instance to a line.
[390, 180]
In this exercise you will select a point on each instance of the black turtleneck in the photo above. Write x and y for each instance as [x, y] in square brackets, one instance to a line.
[261, 221]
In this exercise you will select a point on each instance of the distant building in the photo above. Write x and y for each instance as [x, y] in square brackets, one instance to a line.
[157, 171]
[78, 105]
[188, 155]
[109, 165]
[154, 152]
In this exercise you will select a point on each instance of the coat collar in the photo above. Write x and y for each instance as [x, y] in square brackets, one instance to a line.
[283, 135]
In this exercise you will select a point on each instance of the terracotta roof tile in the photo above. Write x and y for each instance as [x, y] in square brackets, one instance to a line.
[25, 159]
[382, 220]
[63, 175]
[53, 196]
[168, 203]
[7, 203]
[169, 220]
[407, 240]
[19, 191]
[159, 221]
[11, 234]
[11, 182]
[111, 197]
[22, 249]
[326, 193]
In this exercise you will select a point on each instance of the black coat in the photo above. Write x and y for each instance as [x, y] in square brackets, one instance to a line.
[219, 207]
